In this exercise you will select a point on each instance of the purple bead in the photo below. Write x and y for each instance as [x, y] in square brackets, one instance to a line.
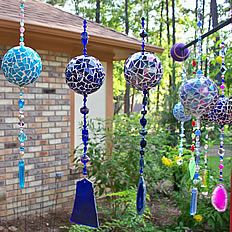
[179, 53]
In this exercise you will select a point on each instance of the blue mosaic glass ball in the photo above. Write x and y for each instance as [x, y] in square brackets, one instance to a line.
[84, 74]
[179, 114]
[221, 114]
[21, 65]
[143, 70]
[198, 95]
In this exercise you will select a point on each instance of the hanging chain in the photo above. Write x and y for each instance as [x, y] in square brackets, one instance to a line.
[22, 28]
[143, 34]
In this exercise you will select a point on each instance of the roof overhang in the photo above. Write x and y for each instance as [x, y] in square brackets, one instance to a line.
[58, 39]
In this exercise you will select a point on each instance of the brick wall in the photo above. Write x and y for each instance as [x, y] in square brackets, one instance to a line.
[47, 125]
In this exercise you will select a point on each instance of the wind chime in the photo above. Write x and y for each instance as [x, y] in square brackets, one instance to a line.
[84, 75]
[198, 95]
[21, 66]
[143, 70]
[221, 115]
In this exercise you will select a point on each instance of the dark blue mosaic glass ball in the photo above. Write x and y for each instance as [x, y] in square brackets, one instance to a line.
[221, 113]
[21, 65]
[179, 113]
[143, 70]
[84, 74]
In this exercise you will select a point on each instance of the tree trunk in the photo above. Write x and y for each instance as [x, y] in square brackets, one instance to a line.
[214, 12]
[98, 8]
[160, 44]
[173, 42]
[127, 92]
[169, 44]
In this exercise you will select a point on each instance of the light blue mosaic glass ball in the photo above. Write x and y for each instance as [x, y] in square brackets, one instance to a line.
[21, 65]
[199, 95]
[179, 114]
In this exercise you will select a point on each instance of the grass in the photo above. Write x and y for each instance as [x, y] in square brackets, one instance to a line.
[213, 163]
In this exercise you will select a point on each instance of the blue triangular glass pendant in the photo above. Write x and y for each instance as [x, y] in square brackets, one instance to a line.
[84, 209]
[141, 196]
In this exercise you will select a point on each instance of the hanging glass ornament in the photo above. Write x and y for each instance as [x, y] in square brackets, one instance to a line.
[21, 66]
[179, 113]
[85, 75]
[143, 70]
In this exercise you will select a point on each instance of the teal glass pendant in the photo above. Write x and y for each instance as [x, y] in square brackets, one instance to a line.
[21, 174]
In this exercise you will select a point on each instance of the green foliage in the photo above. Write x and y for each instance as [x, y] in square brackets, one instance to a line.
[120, 215]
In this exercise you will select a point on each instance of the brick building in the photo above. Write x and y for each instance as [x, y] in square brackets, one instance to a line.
[51, 109]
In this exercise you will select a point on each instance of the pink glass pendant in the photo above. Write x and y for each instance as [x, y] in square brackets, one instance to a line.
[219, 198]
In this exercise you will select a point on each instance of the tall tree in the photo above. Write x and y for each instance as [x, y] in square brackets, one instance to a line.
[160, 44]
[98, 10]
[127, 92]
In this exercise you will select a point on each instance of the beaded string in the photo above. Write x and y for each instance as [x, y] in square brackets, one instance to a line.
[143, 132]
[143, 34]
[21, 136]
[199, 73]
[221, 150]
[84, 110]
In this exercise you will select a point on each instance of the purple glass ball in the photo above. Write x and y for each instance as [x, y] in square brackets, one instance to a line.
[143, 70]
[221, 114]
[199, 95]
[179, 113]
[84, 74]
[179, 53]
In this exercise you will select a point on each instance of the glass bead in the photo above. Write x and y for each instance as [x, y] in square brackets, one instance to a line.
[22, 148]
[223, 69]
[21, 103]
[221, 166]
[143, 122]
[195, 181]
[197, 132]
[84, 110]
[21, 124]
[142, 152]
[206, 147]
[22, 137]
[144, 112]
[222, 86]
[193, 123]
[193, 204]
[143, 143]
[141, 162]
[221, 151]
[85, 159]
[192, 148]
[143, 132]
[196, 176]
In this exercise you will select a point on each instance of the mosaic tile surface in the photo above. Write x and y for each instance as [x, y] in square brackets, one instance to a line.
[143, 71]
[198, 95]
[21, 65]
[179, 113]
[84, 74]
[221, 113]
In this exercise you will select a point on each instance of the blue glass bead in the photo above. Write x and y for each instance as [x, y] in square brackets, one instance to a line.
[21, 174]
[21, 39]
[21, 103]
[143, 143]
[141, 162]
[84, 110]
[22, 137]
[199, 72]
[197, 132]
[193, 203]
[22, 148]
[85, 159]
[199, 23]
[143, 122]
[144, 112]
[85, 171]
[143, 132]
[196, 176]
[142, 152]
